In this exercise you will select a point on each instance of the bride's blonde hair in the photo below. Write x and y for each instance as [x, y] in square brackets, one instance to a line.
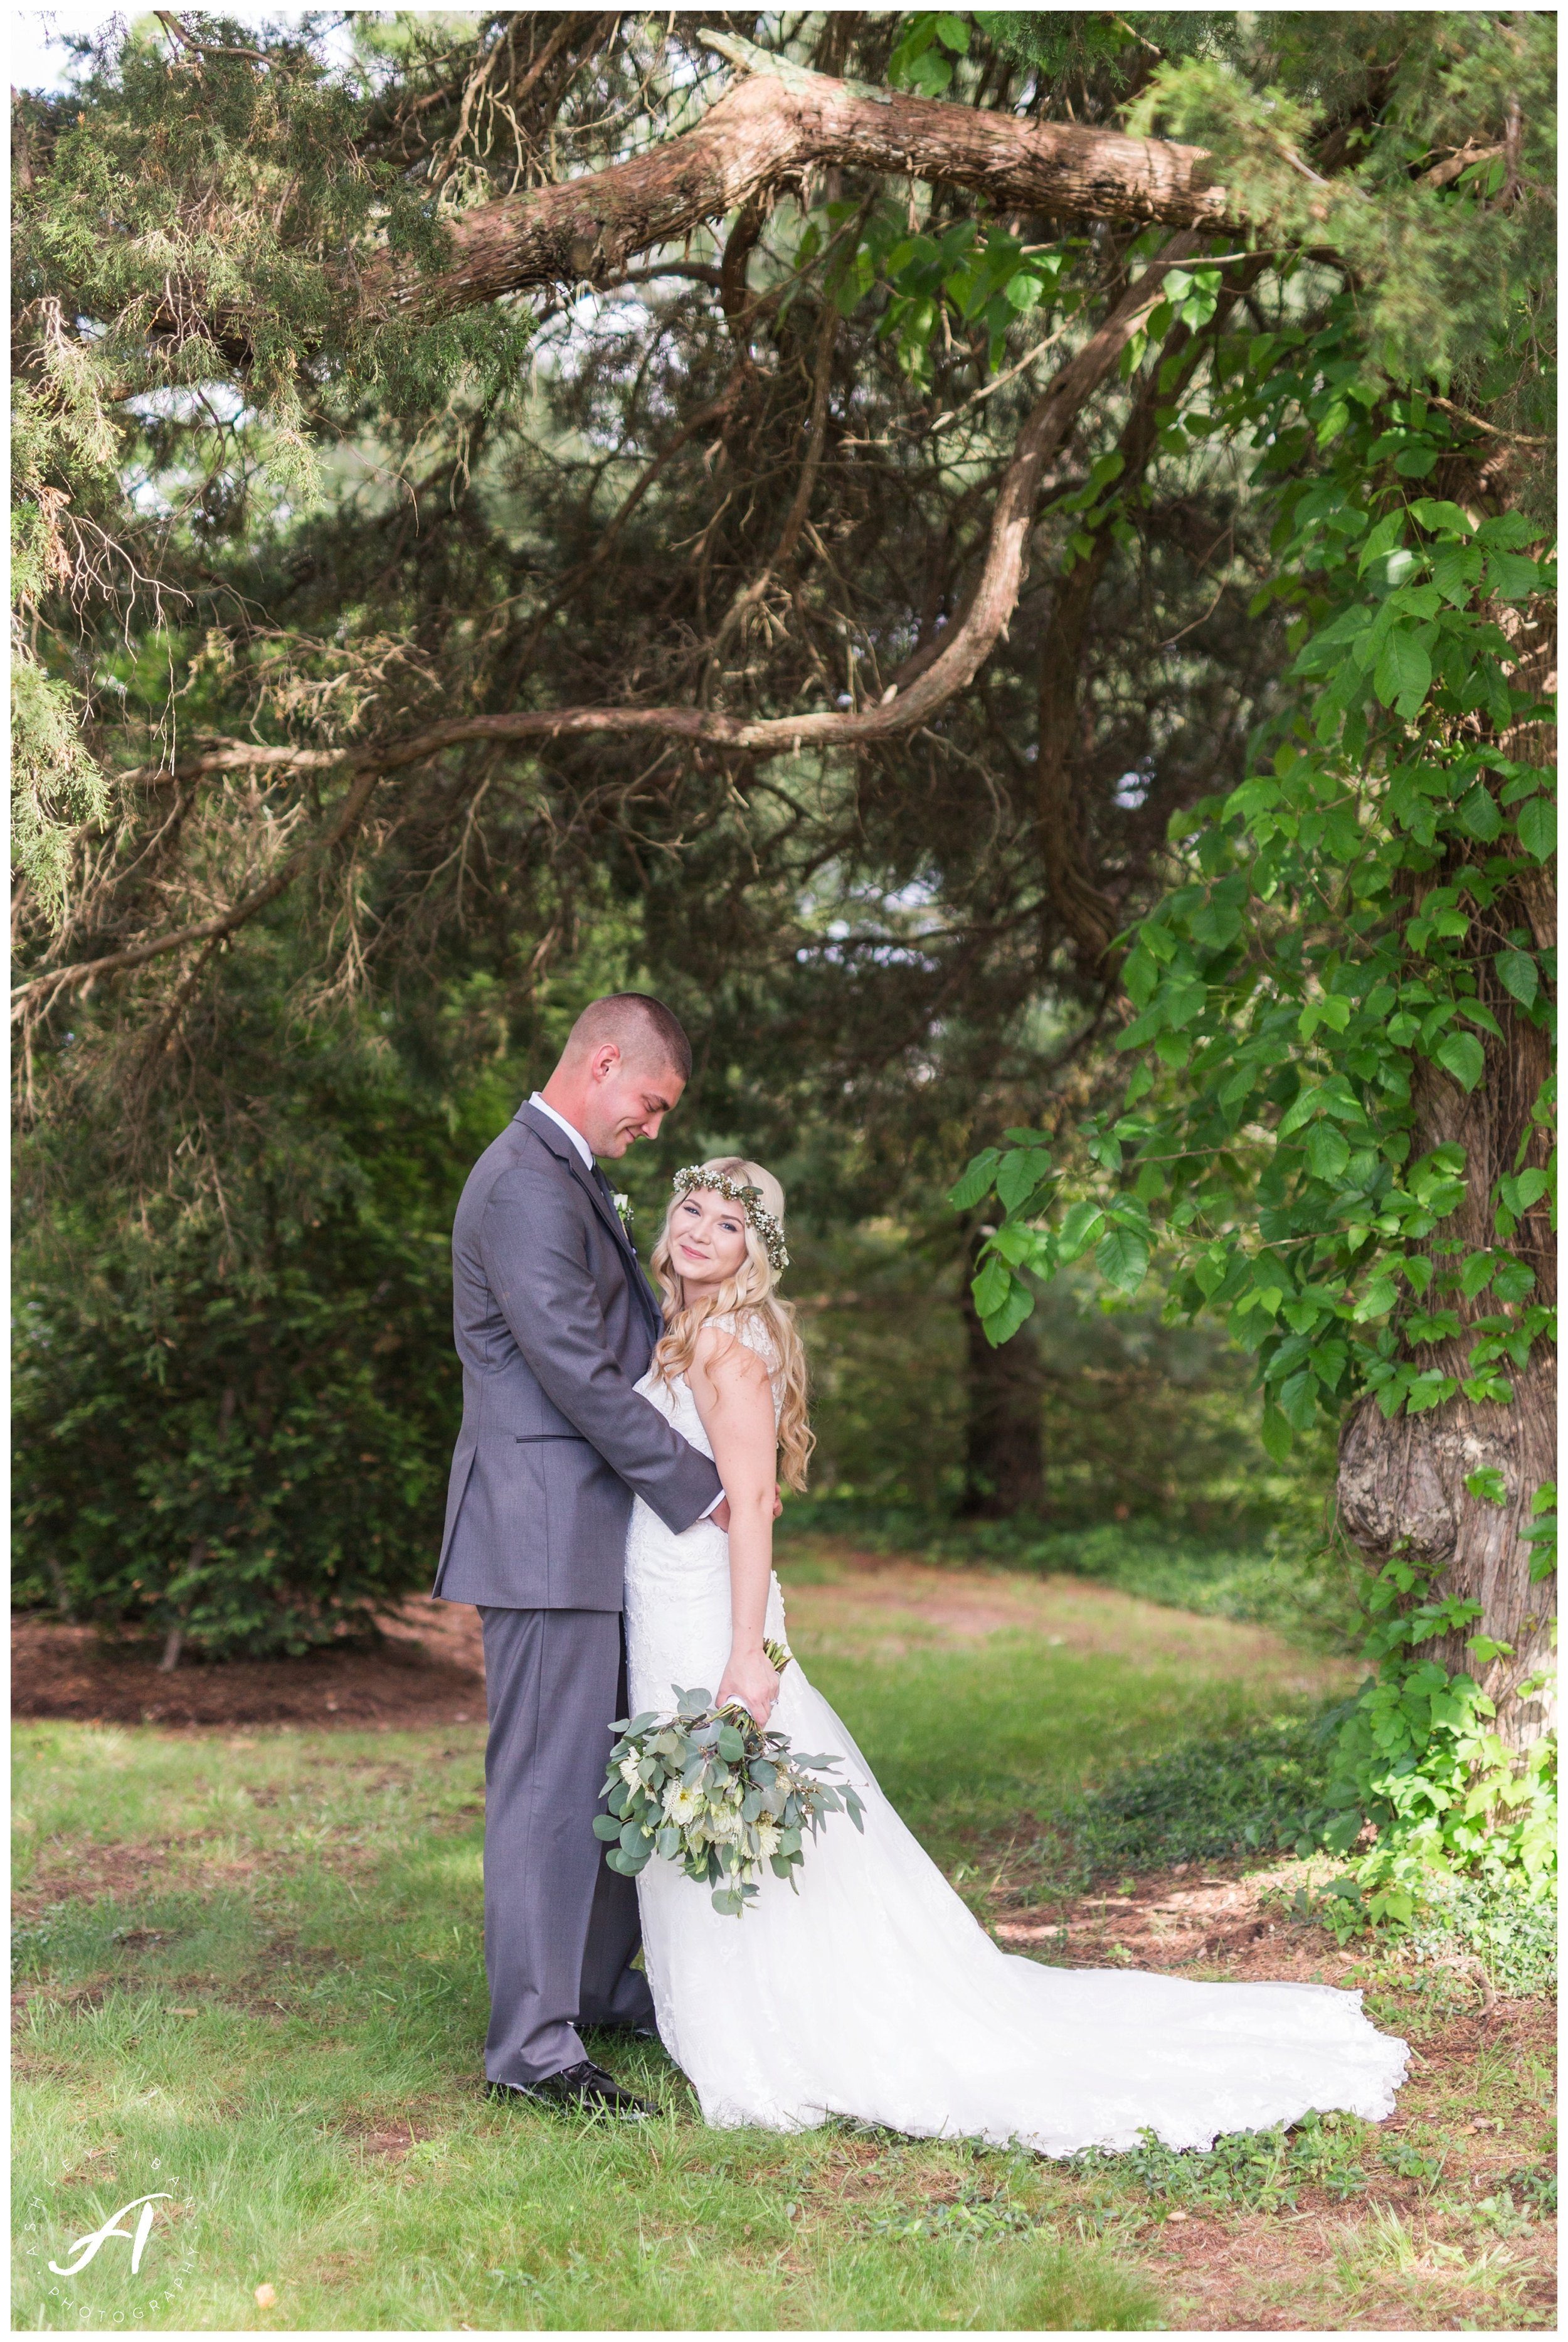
[750, 1292]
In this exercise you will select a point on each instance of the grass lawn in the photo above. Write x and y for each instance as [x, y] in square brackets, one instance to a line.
[250, 1973]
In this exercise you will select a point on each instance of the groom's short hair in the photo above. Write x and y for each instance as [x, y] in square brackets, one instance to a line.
[641, 1029]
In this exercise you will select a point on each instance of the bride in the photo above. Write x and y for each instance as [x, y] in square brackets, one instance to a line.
[873, 1993]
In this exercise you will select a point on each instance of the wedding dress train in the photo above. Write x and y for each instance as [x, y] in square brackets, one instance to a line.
[873, 1993]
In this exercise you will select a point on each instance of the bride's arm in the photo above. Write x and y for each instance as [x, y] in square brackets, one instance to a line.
[734, 1399]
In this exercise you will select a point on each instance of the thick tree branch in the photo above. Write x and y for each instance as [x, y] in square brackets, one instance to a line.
[777, 122]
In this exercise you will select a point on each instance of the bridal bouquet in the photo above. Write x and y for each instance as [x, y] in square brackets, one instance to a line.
[708, 1787]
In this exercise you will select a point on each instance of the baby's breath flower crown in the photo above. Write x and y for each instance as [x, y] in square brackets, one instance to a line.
[749, 1198]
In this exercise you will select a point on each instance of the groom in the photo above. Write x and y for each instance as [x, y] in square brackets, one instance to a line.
[553, 1323]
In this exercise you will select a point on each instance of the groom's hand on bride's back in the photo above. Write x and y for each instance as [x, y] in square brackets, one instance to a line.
[720, 1516]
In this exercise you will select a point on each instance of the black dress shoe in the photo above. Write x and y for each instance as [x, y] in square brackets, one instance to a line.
[584, 2088]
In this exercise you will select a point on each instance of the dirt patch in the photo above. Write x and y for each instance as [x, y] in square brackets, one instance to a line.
[398, 2140]
[430, 1671]
[1171, 1919]
[1214, 1916]
[79, 1869]
[84, 1869]
[391, 2135]
[1406, 2268]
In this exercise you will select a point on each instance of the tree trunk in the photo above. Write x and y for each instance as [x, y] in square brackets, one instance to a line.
[1004, 1436]
[1401, 1483]
[1402, 1487]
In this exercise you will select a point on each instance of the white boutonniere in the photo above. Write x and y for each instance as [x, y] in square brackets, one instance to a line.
[623, 1210]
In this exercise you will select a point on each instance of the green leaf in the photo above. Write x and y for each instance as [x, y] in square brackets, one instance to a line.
[977, 1180]
[1079, 1229]
[1376, 1301]
[1298, 1400]
[1537, 823]
[1526, 1187]
[1478, 813]
[1216, 924]
[1404, 674]
[1512, 529]
[1018, 1245]
[1122, 1258]
[1140, 976]
[1513, 1282]
[1461, 1055]
[1327, 1150]
[1384, 537]
[1455, 573]
[1519, 975]
[929, 76]
[1488, 1484]
[1003, 1324]
[954, 33]
[1511, 577]
[606, 1827]
[992, 1286]
[1276, 1434]
[1441, 518]
[1476, 1274]
[1023, 1169]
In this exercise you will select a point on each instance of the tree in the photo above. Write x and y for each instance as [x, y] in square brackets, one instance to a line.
[1341, 1128]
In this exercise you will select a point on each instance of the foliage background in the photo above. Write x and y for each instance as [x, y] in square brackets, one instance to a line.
[235, 1389]
[1262, 713]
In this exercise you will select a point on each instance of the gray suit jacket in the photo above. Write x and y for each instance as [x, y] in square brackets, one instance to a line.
[553, 1322]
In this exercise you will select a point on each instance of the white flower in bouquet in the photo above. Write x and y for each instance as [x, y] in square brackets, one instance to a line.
[709, 1788]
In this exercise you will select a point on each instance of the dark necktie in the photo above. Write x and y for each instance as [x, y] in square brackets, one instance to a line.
[608, 1192]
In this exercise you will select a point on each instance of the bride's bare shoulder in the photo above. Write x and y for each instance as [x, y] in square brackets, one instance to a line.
[731, 1351]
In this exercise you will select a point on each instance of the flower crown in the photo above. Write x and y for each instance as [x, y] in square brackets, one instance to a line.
[749, 1198]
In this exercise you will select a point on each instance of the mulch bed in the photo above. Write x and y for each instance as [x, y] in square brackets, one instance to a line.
[430, 1671]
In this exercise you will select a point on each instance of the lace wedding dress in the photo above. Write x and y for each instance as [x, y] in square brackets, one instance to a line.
[873, 1993]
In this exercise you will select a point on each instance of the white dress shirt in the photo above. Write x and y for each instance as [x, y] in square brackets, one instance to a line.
[570, 1129]
[587, 1152]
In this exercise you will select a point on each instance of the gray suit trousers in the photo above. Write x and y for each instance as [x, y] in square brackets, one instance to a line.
[560, 1925]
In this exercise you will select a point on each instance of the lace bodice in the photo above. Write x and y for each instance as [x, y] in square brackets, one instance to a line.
[675, 1398]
